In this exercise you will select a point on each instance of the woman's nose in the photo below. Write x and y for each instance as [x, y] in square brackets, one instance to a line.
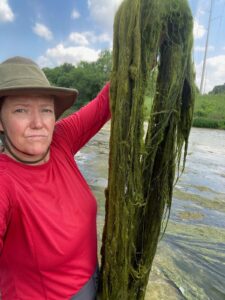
[36, 120]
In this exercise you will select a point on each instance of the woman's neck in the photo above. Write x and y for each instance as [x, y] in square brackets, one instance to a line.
[30, 160]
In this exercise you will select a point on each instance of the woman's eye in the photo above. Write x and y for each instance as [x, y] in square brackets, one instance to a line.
[48, 110]
[20, 110]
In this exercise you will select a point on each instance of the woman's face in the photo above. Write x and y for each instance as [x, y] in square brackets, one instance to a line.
[28, 124]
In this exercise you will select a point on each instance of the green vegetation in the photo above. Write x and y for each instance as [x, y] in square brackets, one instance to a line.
[210, 111]
[218, 89]
[87, 78]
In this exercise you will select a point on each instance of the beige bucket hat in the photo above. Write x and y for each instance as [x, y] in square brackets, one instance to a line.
[22, 76]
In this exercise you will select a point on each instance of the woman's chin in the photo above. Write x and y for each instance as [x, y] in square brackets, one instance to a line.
[37, 150]
[36, 154]
[33, 154]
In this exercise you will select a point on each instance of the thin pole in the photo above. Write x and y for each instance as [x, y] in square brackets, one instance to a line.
[206, 48]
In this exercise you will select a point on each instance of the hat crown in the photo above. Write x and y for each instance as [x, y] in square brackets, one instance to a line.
[19, 60]
[18, 72]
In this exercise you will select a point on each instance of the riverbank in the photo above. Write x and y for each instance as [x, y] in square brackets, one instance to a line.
[209, 111]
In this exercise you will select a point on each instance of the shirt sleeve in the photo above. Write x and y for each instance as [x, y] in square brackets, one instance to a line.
[77, 129]
[5, 214]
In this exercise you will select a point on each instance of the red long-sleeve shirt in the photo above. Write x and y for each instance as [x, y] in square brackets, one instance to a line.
[48, 243]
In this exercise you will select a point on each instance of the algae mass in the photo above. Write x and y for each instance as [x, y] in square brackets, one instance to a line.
[148, 34]
[190, 258]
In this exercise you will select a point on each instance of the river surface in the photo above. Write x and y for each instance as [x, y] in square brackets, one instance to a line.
[190, 259]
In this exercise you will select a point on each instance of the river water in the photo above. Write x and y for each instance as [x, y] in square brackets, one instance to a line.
[190, 259]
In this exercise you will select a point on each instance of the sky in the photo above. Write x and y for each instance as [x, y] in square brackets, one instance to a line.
[52, 32]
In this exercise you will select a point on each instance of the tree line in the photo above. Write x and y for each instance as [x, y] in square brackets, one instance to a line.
[218, 89]
[87, 78]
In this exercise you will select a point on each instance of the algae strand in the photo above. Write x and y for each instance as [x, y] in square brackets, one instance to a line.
[148, 34]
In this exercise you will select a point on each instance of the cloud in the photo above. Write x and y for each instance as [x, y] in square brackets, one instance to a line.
[79, 39]
[201, 12]
[199, 30]
[6, 13]
[61, 54]
[215, 72]
[103, 38]
[201, 9]
[103, 11]
[89, 37]
[75, 14]
[42, 31]
[202, 49]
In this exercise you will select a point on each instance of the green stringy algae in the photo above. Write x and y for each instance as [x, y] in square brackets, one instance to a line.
[148, 35]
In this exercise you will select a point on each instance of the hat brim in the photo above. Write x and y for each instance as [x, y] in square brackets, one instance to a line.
[64, 97]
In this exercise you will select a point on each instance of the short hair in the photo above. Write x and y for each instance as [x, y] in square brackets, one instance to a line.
[1, 132]
[1, 101]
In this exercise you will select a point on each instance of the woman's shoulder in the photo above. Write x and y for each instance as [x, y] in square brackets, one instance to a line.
[5, 168]
[3, 164]
[3, 172]
[5, 182]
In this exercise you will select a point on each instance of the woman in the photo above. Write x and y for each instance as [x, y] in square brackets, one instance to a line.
[48, 243]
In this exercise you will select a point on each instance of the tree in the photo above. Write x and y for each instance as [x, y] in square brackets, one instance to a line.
[218, 89]
[87, 77]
